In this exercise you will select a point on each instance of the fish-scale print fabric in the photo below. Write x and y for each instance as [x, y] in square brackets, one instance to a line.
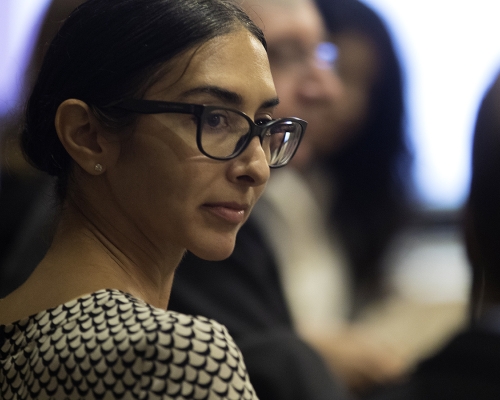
[109, 345]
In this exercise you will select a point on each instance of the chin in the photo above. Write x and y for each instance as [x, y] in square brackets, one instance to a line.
[213, 250]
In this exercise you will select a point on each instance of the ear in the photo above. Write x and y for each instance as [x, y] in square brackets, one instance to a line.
[83, 137]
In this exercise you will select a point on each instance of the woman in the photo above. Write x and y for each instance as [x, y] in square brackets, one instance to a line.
[140, 110]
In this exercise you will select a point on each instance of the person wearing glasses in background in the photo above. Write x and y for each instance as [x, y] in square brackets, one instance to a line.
[158, 119]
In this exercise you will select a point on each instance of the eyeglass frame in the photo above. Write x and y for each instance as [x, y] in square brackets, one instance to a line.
[144, 106]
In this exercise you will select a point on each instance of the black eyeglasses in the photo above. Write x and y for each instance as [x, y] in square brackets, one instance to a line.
[223, 133]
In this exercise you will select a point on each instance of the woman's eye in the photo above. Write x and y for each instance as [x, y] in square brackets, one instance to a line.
[215, 120]
[263, 121]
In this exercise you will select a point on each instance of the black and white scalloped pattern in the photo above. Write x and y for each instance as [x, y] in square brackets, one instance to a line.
[109, 345]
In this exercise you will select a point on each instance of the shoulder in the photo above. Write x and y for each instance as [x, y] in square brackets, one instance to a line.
[110, 342]
[180, 354]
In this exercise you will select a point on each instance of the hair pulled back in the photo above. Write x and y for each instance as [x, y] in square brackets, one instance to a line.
[108, 50]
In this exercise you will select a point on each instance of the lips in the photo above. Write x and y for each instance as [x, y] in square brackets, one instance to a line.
[233, 213]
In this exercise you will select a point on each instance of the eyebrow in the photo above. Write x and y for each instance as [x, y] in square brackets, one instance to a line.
[228, 96]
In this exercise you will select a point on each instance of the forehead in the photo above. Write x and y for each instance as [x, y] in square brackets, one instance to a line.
[236, 62]
[296, 20]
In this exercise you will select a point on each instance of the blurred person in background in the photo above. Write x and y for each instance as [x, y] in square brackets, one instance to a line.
[329, 221]
[467, 367]
[348, 200]
[361, 179]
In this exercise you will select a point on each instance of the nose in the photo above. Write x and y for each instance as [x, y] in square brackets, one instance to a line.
[250, 167]
[320, 83]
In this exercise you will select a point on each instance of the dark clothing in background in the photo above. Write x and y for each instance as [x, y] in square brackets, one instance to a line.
[28, 212]
[244, 293]
[467, 368]
[282, 366]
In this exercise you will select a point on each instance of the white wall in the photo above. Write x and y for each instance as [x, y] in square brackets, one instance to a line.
[451, 51]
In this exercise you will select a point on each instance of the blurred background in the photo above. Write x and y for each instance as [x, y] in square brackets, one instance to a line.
[20, 22]
[449, 50]
[449, 53]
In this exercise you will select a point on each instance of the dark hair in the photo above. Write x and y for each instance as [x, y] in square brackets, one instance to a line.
[483, 212]
[373, 170]
[108, 50]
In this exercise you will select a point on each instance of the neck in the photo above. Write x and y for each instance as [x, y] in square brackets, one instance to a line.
[93, 250]
[85, 257]
[124, 257]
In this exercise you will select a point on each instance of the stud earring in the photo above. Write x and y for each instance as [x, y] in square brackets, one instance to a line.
[98, 168]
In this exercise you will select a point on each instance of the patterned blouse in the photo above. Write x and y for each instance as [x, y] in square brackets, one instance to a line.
[110, 345]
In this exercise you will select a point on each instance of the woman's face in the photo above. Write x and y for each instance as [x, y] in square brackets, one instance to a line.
[174, 195]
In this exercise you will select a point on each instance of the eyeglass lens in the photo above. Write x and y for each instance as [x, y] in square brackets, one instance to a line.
[224, 133]
[283, 140]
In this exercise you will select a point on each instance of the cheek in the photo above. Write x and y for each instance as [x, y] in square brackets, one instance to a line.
[151, 174]
[347, 120]
[176, 186]
[354, 108]
[149, 190]
[169, 200]
[259, 190]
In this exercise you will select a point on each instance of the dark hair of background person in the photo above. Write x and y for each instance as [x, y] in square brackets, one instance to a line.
[101, 68]
[482, 221]
[373, 170]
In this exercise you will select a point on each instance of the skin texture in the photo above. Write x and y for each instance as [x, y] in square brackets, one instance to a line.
[128, 226]
[358, 67]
